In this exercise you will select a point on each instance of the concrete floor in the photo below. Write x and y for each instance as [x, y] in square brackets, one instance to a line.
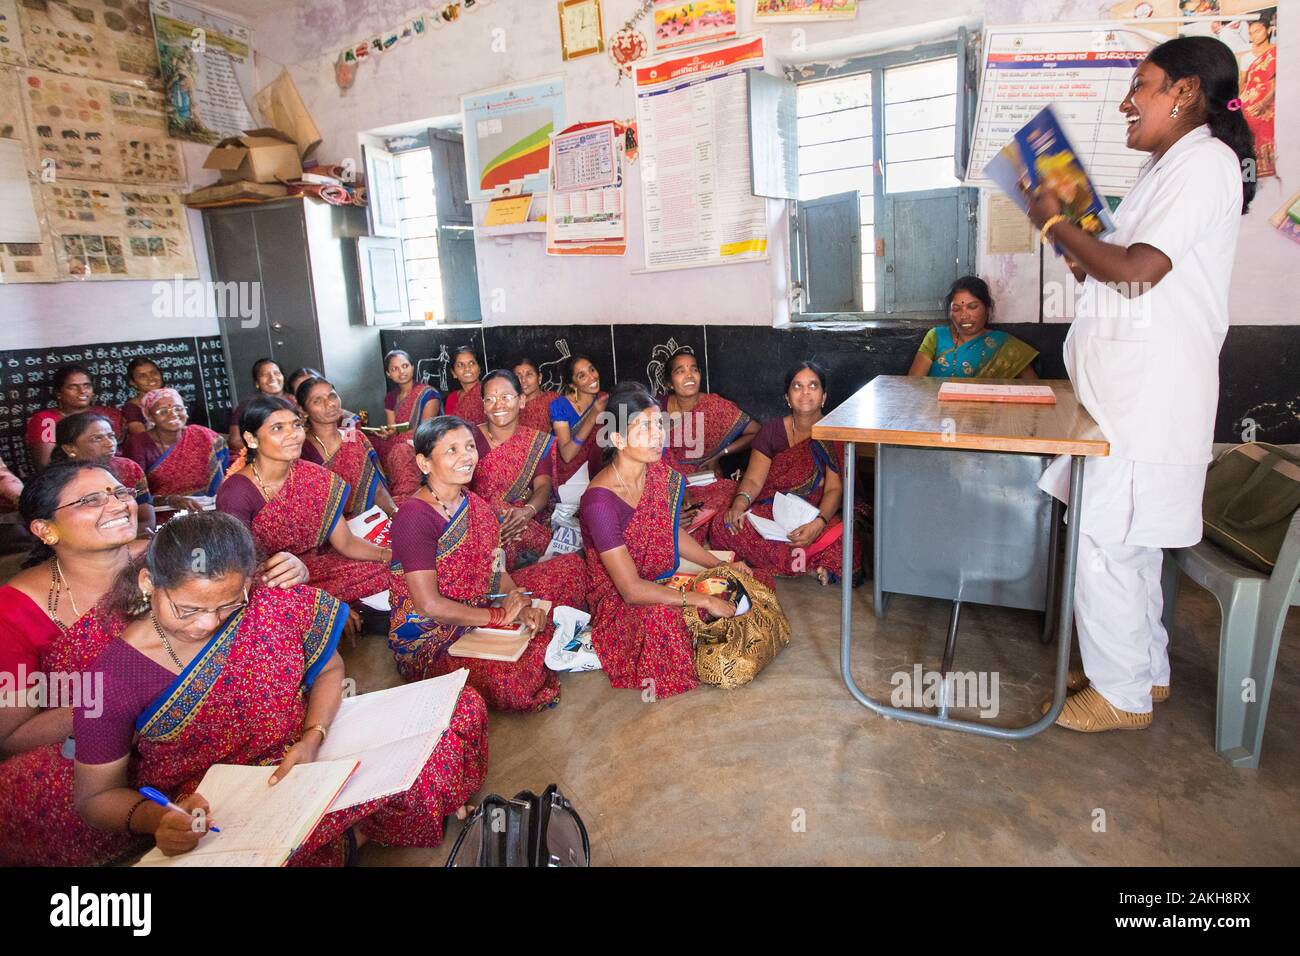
[791, 770]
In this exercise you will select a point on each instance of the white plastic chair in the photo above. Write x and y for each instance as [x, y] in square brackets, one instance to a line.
[1253, 608]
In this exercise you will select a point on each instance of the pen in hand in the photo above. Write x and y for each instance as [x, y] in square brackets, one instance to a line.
[160, 798]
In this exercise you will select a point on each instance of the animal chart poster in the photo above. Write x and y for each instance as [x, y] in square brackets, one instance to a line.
[680, 23]
[508, 137]
[106, 39]
[112, 231]
[207, 72]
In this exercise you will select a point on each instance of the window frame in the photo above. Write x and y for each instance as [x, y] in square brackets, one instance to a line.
[876, 64]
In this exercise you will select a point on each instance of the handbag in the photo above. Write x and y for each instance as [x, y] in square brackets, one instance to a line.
[1251, 492]
[526, 831]
[730, 651]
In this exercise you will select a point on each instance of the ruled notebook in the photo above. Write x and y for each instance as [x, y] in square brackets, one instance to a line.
[506, 643]
[1015, 394]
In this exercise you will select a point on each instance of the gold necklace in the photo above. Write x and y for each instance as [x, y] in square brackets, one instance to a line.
[324, 451]
[260, 487]
[623, 484]
[167, 645]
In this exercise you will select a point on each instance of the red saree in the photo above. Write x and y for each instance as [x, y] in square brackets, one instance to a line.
[356, 463]
[504, 478]
[796, 471]
[299, 520]
[131, 476]
[404, 476]
[467, 403]
[410, 411]
[465, 567]
[1258, 84]
[699, 435]
[644, 647]
[590, 453]
[536, 412]
[242, 701]
[194, 465]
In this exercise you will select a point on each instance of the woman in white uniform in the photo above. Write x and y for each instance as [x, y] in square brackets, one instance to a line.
[1143, 354]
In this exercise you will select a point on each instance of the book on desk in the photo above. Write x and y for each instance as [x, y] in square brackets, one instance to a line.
[1014, 394]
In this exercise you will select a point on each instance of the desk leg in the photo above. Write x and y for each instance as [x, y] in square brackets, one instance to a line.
[1053, 546]
[1065, 620]
[877, 517]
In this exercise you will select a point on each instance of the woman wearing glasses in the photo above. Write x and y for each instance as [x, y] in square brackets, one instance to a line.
[88, 436]
[74, 391]
[181, 460]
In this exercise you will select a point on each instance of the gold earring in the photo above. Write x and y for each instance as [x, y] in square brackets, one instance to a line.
[51, 541]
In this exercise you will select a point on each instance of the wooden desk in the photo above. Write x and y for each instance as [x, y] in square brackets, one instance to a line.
[903, 417]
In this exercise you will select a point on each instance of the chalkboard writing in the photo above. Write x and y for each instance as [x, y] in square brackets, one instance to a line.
[195, 367]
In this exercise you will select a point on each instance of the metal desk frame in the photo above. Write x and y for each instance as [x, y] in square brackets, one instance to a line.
[1064, 628]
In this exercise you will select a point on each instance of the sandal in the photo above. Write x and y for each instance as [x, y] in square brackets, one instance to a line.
[1078, 680]
[1088, 712]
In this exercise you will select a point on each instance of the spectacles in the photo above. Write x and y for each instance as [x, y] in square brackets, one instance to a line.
[168, 410]
[507, 399]
[223, 612]
[97, 499]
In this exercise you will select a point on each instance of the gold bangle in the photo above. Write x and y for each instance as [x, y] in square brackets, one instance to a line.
[1051, 221]
[321, 727]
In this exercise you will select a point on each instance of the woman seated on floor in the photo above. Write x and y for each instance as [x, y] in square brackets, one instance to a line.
[701, 428]
[293, 505]
[345, 451]
[268, 379]
[785, 458]
[966, 347]
[575, 420]
[537, 412]
[49, 616]
[88, 436]
[515, 468]
[466, 402]
[73, 391]
[181, 461]
[448, 577]
[143, 375]
[202, 666]
[629, 518]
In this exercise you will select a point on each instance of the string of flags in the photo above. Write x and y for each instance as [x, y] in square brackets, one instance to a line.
[418, 26]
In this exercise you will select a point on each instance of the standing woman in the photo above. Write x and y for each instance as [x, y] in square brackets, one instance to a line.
[629, 518]
[181, 460]
[966, 347]
[1144, 361]
[701, 428]
[87, 436]
[447, 578]
[144, 376]
[295, 506]
[786, 458]
[73, 391]
[346, 452]
[575, 419]
[537, 410]
[467, 401]
[268, 379]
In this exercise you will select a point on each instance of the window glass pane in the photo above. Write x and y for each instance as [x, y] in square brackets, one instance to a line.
[829, 127]
[921, 80]
[422, 269]
[922, 174]
[420, 248]
[839, 181]
[868, 247]
[926, 144]
[843, 93]
[409, 187]
[921, 114]
[413, 161]
[868, 291]
[841, 155]
[867, 207]
[419, 227]
[420, 204]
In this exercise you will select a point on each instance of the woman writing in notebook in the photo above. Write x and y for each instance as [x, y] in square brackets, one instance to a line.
[144, 376]
[87, 436]
[466, 402]
[575, 420]
[293, 505]
[701, 428]
[537, 411]
[268, 379]
[966, 347]
[786, 459]
[449, 576]
[202, 667]
[630, 514]
[344, 451]
[182, 461]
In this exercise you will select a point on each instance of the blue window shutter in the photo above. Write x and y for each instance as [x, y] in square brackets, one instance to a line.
[829, 241]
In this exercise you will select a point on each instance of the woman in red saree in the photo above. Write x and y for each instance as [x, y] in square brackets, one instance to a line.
[407, 404]
[515, 465]
[182, 461]
[1259, 95]
[295, 506]
[785, 458]
[73, 391]
[575, 419]
[537, 410]
[206, 668]
[88, 436]
[268, 379]
[629, 518]
[466, 402]
[345, 451]
[701, 428]
[449, 576]
[143, 375]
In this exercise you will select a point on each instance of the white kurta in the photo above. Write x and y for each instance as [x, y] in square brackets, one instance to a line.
[1147, 369]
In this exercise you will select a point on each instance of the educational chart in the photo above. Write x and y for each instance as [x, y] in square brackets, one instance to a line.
[22, 261]
[680, 23]
[100, 131]
[693, 120]
[1084, 72]
[112, 231]
[784, 11]
[11, 35]
[207, 71]
[106, 39]
[508, 136]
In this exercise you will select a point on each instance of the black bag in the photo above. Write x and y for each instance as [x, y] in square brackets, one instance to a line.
[526, 831]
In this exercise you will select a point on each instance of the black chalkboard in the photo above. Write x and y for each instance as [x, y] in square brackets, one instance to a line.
[193, 366]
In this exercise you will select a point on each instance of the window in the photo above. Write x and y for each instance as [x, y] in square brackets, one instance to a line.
[887, 128]
[418, 227]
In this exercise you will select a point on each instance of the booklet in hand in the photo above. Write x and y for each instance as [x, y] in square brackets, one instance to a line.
[788, 513]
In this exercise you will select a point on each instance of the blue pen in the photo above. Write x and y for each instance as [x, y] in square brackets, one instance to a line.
[492, 597]
[160, 798]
